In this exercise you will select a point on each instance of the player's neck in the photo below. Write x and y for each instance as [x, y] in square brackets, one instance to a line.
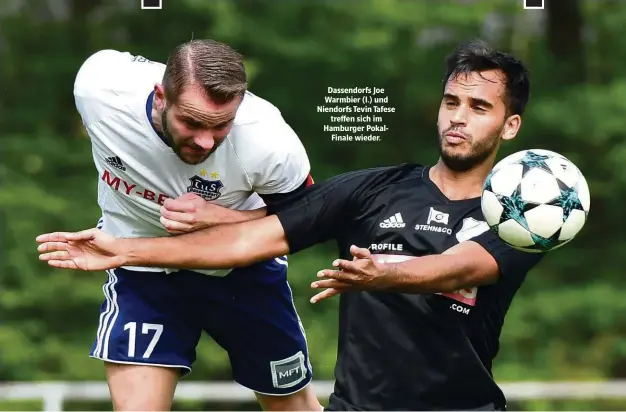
[459, 185]
[156, 118]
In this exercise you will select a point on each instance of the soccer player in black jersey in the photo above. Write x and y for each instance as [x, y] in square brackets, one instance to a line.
[424, 284]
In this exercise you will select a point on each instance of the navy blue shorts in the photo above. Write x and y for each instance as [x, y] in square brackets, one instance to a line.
[153, 318]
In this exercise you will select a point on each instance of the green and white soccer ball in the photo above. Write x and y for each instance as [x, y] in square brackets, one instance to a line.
[535, 200]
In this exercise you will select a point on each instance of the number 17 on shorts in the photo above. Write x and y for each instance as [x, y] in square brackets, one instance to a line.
[146, 329]
[137, 327]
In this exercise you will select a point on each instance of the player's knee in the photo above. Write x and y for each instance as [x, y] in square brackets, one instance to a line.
[303, 400]
[141, 388]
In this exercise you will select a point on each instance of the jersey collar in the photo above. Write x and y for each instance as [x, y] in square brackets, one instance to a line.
[437, 192]
[149, 115]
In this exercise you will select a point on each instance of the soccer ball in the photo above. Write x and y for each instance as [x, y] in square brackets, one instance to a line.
[535, 200]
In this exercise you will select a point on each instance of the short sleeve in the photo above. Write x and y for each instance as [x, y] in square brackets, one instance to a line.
[510, 261]
[273, 156]
[106, 78]
[284, 172]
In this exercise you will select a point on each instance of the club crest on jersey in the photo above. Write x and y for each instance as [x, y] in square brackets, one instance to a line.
[207, 189]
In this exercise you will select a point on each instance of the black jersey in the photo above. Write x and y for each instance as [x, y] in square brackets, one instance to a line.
[404, 351]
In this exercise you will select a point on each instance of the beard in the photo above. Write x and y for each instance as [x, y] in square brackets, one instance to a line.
[176, 147]
[478, 153]
[165, 131]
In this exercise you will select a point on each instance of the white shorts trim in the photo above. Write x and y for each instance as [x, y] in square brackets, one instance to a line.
[280, 394]
[186, 368]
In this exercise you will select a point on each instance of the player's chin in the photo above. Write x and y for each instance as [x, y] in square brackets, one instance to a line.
[457, 160]
[459, 152]
[193, 159]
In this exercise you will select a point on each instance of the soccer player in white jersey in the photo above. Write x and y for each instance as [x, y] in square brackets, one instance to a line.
[166, 140]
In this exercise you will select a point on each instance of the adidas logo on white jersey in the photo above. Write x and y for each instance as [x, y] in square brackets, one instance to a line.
[394, 221]
[116, 162]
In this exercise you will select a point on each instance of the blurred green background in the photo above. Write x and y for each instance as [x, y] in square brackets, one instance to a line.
[567, 322]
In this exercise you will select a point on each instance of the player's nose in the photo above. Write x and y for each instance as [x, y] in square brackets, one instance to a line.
[460, 115]
[205, 140]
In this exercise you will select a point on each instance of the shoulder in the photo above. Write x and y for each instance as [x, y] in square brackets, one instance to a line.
[111, 80]
[108, 76]
[255, 110]
[115, 71]
[376, 178]
[363, 182]
[260, 131]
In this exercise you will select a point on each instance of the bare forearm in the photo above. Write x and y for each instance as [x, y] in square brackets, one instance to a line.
[219, 247]
[460, 267]
[428, 274]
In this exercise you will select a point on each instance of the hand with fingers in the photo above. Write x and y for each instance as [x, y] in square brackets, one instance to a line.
[184, 214]
[190, 212]
[88, 250]
[361, 273]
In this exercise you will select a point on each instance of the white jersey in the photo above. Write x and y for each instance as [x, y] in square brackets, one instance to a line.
[137, 171]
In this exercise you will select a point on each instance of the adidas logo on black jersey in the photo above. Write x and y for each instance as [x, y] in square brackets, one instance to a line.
[116, 162]
[393, 222]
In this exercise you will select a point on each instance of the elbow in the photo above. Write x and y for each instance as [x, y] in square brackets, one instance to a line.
[452, 285]
[468, 278]
[246, 252]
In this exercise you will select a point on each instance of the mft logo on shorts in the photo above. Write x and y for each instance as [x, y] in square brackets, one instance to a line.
[288, 372]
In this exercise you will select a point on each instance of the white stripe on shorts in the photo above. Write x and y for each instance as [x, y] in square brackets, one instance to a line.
[108, 317]
[282, 260]
[107, 309]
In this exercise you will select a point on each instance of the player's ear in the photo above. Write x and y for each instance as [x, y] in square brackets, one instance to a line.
[511, 127]
[159, 95]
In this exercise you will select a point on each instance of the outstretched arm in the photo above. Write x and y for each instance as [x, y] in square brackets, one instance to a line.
[478, 262]
[223, 246]
[463, 266]
[317, 215]
[309, 216]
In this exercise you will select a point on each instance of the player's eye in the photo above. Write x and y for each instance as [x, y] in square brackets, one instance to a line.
[450, 104]
[221, 126]
[192, 124]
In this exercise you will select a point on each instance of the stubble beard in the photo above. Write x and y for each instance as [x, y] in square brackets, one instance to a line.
[478, 153]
